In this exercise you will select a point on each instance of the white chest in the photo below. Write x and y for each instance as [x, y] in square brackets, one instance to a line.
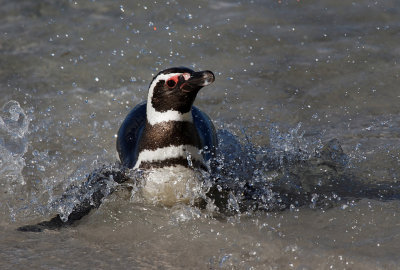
[171, 185]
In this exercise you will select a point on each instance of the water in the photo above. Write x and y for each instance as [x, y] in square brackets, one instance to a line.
[71, 70]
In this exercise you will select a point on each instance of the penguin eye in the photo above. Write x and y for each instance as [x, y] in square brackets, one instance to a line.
[171, 82]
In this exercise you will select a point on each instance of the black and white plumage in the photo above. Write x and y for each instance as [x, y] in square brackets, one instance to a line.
[168, 136]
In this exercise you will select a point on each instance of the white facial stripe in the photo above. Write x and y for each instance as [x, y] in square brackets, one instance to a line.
[155, 117]
[164, 153]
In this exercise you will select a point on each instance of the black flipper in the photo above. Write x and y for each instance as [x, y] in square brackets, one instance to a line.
[129, 135]
[99, 184]
[206, 131]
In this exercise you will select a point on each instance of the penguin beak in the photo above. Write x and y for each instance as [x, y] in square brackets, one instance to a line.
[198, 80]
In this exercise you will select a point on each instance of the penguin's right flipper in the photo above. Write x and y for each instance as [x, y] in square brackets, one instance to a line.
[99, 184]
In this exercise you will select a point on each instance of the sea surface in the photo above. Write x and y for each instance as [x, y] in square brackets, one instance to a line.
[292, 76]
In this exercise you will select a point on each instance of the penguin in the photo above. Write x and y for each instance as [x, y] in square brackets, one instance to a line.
[168, 138]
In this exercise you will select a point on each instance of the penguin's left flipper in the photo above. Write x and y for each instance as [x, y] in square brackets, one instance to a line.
[99, 184]
[79, 211]
[52, 224]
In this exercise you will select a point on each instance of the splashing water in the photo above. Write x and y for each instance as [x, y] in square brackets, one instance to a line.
[290, 172]
[14, 125]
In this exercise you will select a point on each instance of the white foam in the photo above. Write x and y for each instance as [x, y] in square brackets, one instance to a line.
[170, 185]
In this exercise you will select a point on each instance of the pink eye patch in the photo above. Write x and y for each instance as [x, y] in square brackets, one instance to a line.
[171, 82]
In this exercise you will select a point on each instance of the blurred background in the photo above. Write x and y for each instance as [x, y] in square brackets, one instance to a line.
[287, 71]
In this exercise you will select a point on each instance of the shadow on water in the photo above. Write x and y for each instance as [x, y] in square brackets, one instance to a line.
[289, 173]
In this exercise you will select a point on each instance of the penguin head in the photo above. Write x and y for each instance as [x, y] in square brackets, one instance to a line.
[175, 89]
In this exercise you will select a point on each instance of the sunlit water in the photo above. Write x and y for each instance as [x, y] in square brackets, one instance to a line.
[290, 77]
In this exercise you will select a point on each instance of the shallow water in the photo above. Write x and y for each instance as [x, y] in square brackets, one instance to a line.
[71, 70]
